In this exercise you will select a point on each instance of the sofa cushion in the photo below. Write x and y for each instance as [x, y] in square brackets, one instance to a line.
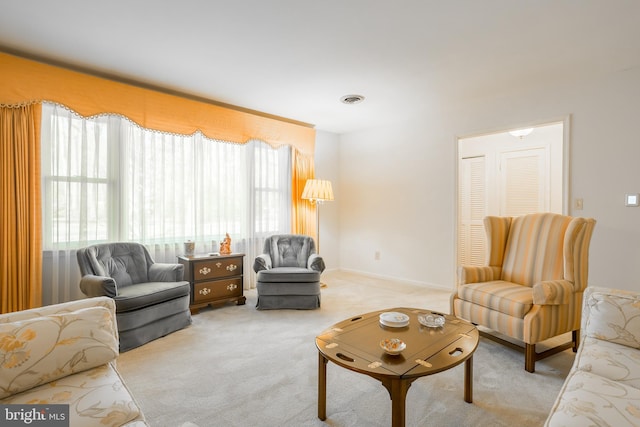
[96, 397]
[288, 275]
[505, 297]
[146, 294]
[609, 360]
[591, 400]
[613, 316]
[40, 350]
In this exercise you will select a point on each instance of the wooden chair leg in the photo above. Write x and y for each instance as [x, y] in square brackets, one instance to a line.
[530, 357]
[529, 350]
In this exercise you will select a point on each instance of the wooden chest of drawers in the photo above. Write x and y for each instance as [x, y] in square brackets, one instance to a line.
[214, 279]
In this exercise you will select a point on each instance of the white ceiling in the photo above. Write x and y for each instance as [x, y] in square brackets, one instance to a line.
[296, 58]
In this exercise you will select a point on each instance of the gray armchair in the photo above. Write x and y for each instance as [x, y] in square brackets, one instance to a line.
[288, 273]
[151, 298]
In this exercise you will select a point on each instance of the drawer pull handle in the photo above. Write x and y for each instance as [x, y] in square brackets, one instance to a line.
[232, 286]
[218, 264]
[231, 267]
[204, 291]
[205, 270]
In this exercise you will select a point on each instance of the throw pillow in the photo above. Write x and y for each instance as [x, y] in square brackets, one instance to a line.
[42, 349]
[614, 317]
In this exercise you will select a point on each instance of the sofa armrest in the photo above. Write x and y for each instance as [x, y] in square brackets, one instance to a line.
[96, 286]
[262, 262]
[476, 274]
[553, 292]
[45, 348]
[315, 262]
[63, 307]
[160, 272]
[612, 315]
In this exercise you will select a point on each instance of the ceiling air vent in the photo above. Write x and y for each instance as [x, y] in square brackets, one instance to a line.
[352, 99]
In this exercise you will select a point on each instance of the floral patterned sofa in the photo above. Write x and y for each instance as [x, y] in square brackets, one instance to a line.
[603, 386]
[65, 354]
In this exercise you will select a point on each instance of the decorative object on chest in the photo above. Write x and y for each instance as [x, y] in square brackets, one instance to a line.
[214, 279]
[225, 246]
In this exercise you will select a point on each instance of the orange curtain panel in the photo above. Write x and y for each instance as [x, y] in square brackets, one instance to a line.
[303, 218]
[20, 212]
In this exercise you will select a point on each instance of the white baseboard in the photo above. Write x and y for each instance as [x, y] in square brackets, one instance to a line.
[393, 278]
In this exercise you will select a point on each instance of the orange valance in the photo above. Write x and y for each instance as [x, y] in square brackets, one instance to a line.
[23, 80]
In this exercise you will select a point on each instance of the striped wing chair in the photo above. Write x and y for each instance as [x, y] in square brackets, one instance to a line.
[531, 288]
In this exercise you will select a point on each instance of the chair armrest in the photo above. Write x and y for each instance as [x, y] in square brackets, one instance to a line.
[96, 286]
[262, 262]
[476, 274]
[315, 262]
[553, 292]
[161, 272]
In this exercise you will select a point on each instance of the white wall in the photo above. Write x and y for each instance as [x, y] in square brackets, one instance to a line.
[326, 164]
[396, 184]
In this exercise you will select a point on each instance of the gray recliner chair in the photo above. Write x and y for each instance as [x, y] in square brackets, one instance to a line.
[151, 298]
[288, 273]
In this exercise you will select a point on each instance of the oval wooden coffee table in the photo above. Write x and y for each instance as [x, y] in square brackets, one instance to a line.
[354, 344]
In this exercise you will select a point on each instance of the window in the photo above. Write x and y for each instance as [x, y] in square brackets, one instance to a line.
[107, 179]
[76, 180]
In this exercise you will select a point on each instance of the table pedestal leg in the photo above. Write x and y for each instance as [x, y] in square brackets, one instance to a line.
[322, 387]
[468, 380]
[398, 389]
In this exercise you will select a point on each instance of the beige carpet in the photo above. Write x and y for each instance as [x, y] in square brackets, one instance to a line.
[236, 366]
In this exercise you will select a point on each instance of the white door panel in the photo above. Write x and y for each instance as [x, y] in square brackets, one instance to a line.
[502, 175]
[524, 181]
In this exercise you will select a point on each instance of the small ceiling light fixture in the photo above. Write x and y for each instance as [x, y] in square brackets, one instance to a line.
[521, 133]
[352, 99]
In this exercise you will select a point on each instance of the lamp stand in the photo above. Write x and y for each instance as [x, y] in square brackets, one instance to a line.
[318, 203]
[318, 226]
[317, 191]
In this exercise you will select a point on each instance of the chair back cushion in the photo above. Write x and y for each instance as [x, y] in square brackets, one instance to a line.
[289, 250]
[127, 263]
[535, 248]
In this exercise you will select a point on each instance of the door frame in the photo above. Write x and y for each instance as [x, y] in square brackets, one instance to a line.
[566, 168]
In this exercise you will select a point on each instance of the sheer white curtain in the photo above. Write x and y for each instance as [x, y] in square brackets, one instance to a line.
[107, 179]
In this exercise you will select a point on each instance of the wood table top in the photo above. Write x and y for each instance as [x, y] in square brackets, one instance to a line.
[354, 344]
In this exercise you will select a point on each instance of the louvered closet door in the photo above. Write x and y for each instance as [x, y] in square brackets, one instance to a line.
[472, 209]
[506, 176]
[524, 182]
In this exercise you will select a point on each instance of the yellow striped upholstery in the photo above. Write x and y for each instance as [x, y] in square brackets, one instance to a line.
[505, 297]
[553, 292]
[497, 230]
[473, 274]
[492, 319]
[531, 288]
[534, 249]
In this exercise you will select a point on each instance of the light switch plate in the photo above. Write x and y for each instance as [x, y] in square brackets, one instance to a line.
[632, 200]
